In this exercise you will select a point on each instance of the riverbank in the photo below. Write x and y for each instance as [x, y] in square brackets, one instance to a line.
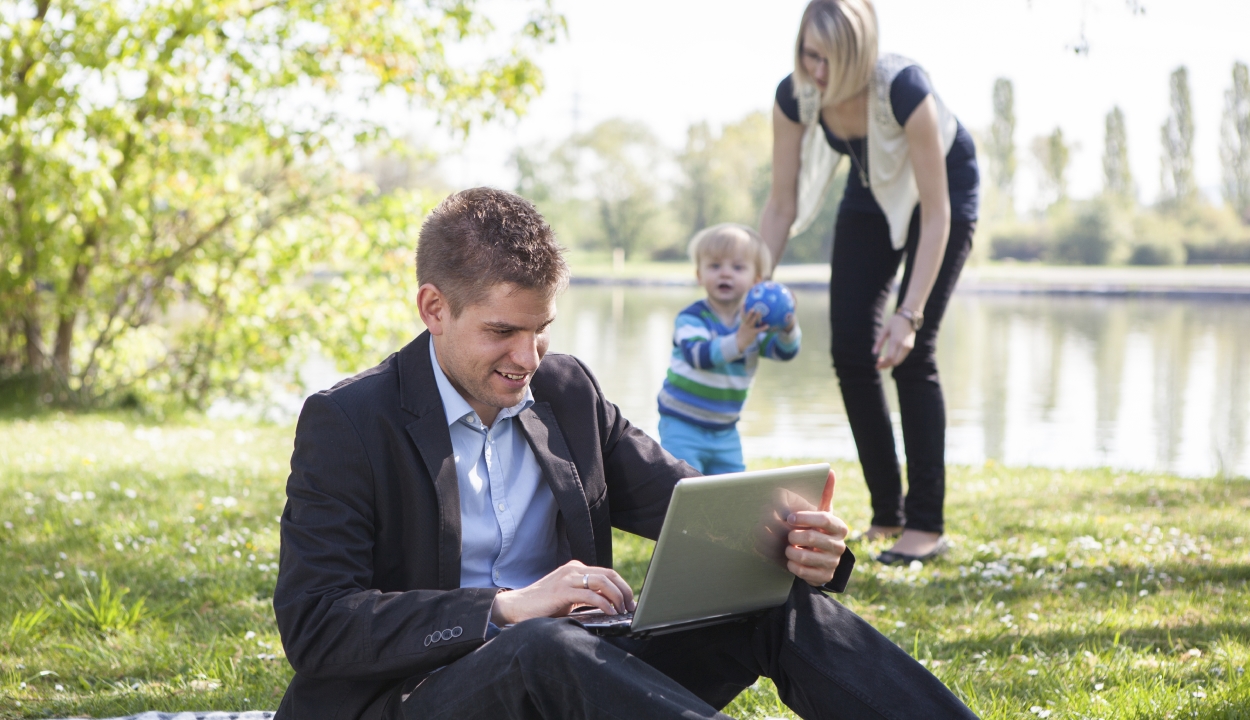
[1214, 281]
[1092, 593]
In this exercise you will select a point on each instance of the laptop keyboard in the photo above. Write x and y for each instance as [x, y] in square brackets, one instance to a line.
[598, 618]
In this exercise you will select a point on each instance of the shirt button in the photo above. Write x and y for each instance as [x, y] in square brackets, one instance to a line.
[502, 507]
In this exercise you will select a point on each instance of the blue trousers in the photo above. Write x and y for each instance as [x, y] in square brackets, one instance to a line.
[711, 452]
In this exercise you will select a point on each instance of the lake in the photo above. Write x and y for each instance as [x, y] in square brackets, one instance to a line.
[1061, 381]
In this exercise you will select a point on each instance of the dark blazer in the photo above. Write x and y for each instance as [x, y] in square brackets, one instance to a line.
[370, 559]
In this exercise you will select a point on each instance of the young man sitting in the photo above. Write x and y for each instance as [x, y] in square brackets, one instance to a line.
[469, 484]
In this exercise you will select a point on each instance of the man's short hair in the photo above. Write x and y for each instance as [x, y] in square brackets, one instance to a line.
[481, 237]
[731, 240]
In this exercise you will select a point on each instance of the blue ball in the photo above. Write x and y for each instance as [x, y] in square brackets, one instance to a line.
[772, 300]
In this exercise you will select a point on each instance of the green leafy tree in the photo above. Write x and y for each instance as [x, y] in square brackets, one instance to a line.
[173, 216]
[1117, 178]
[1177, 135]
[611, 170]
[1002, 142]
[699, 197]
[725, 177]
[1235, 142]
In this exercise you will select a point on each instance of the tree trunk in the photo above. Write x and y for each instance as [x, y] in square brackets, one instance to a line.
[69, 312]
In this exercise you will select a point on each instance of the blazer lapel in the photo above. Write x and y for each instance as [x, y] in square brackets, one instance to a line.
[419, 395]
[556, 462]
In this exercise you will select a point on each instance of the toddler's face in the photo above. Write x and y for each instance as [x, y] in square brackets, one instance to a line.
[727, 279]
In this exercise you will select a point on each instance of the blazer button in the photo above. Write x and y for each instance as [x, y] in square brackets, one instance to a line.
[427, 641]
[445, 635]
[457, 631]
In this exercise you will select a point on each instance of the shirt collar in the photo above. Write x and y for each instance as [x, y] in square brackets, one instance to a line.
[457, 408]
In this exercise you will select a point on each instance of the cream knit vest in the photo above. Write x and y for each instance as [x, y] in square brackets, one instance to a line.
[890, 175]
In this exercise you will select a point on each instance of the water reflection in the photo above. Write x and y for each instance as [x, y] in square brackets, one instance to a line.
[1057, 381]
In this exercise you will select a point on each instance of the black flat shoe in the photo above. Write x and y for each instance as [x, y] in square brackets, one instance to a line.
[889, 557]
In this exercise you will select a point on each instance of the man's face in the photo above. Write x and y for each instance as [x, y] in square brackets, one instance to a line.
[491, 351]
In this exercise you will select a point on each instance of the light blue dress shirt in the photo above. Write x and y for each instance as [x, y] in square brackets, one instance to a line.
[507, 511]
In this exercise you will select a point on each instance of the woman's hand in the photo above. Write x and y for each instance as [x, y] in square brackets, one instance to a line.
[568, 586]
[894, 343]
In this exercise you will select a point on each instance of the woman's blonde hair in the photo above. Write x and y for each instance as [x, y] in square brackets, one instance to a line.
[847, 33]
[731, 239]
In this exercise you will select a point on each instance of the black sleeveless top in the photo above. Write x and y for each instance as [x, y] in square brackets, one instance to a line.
[908, 90]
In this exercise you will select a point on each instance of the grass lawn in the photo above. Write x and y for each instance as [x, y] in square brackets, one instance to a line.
[137, 563]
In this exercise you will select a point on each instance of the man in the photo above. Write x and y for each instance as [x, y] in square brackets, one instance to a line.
[467, 484]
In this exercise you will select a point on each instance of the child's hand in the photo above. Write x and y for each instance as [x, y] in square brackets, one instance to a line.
[791, 320]
[750, 329]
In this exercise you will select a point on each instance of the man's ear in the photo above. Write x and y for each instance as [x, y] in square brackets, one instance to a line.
[433, 307]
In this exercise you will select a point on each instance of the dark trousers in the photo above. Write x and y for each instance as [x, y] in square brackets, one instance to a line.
[863, 268]
[825, 660]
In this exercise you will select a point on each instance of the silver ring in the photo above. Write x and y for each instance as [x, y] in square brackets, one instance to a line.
[585, 582]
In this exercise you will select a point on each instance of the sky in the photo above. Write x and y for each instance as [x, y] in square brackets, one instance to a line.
[670, 63]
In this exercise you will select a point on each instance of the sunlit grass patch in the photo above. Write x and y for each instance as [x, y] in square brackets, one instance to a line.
[1083, 594]
[1068, 594]
[138, 563]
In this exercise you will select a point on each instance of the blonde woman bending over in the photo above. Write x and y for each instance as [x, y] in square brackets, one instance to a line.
[911, 192]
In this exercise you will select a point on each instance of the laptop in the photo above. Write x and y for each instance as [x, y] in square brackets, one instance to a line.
[721, 552]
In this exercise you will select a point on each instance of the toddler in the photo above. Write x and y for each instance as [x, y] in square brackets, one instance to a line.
[716, 350]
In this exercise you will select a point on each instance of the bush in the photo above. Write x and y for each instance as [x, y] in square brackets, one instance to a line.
[670, 253]
[1086, 241]
[1093, 233]
[1019, 247]
[1218, 253]
[1157, 254]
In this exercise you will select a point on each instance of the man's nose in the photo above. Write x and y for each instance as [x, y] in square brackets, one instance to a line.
[525, 352]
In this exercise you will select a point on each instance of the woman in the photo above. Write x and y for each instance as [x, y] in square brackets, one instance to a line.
[911, 191]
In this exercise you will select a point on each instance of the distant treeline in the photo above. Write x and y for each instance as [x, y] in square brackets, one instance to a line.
[616, 186]
[1114, 227]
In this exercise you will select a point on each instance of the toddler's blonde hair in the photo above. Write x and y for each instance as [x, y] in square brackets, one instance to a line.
[732, 239]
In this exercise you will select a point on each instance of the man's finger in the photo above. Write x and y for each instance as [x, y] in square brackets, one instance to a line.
[811, 558]
[809, 575]
[608, 589]
[590, 597]
[821, 522]
[820, 519]
[627, 593]
[814, 539]
[826, 496]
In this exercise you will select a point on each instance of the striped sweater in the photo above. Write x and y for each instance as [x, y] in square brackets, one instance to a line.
[708, 378]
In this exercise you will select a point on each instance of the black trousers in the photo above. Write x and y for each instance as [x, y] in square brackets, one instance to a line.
[826, 662]
[863, 268]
